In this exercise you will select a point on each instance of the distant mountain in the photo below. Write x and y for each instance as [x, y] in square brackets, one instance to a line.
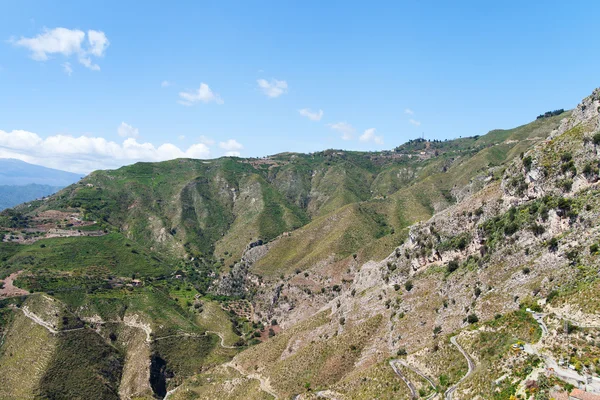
[12, 195]
[17, 172]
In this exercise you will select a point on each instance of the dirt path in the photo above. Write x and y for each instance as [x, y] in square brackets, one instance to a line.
[265, 384]
[411, 387]
[450, 392]
[38, 320]
[170, 392]
[222, 339]
[35, 318]
[133, 321]
[9, 289]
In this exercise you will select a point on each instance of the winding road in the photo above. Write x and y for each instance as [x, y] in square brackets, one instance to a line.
[450, 392]
[563, 373]
[411, 387]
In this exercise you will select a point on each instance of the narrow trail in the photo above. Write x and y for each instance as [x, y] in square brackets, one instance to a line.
[265, 384]
[170, 392]
[38, 320]
[35, 318]
[223, 345]
[450, 392]
[411, 387]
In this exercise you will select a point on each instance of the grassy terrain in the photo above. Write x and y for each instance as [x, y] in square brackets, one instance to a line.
[226, 384]
[113, 252]
[82, 366]
[27, 350]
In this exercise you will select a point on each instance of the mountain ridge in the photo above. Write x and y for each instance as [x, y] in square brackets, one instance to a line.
[332, 274]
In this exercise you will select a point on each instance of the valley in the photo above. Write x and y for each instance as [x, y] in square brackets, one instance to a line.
[459, 269]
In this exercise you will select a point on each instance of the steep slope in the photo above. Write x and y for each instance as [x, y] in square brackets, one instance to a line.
[340, 274]
[527, 240]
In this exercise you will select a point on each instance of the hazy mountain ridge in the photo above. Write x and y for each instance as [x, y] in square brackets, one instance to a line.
[21, 182]
[17, 172]
[12, 195]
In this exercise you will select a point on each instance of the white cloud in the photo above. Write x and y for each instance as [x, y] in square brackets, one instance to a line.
[67, 68]
[203, 94]
[231, 145]
[369, 136]
[414, 122]
[98, 43]
[206, 140]
[181, 137]
[66, 42]
[273, 88]
[126, 130]
[84, 154]
[344, 128]
[165, 84]
[408, 111]
[312, 115]
[232, 154]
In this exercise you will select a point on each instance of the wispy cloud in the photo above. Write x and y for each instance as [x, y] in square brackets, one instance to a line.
[273, 88]
[206, 140]
[344, 128]
[66, 42]
[165, 84]
[369, 136]
[126, 130]
[312, 115]
[414, 122]
[203, 94]
[231, 145]
[67, 68]
[408, 111]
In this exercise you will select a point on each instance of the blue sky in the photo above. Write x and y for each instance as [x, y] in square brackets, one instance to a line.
[121, 79]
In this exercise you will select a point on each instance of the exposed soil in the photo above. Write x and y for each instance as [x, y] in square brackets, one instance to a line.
[9, 289]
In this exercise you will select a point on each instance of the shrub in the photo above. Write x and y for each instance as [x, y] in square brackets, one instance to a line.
[437, 330]
[596, 138]
[566, 184]
[511, 228]
[452, 266]
[472, 319]
[342, 321]
[408, 285]
[538, 229]
[526, 270]
[566, 157]
[551, 295]
[527, 162]
[594, 249]
[553, 244]
[401, 351]
[477, 292]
